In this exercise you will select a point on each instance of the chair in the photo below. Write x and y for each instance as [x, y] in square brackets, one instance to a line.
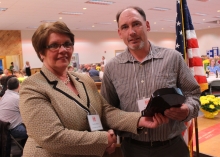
[96, 78]
[16, 141]
[214, 88]
[4, 139]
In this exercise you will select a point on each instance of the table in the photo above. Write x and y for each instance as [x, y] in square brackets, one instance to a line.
[212, 78]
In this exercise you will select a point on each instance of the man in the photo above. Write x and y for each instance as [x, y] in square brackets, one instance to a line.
[103, 61]
[131, 78]
[94, 74]
[9, 109]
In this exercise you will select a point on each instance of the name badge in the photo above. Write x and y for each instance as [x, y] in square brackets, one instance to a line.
[94, 122]
[142, 104]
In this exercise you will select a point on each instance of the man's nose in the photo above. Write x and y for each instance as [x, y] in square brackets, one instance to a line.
[131, 31]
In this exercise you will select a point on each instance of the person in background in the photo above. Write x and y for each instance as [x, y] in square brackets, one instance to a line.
[27, 68]
[103, 61]
[101, 72]
[11, 68]
[4, 84]
[63, 112]
[98, 67]
[212, 68]
[9, 110]
[6, 73]
[131, 77]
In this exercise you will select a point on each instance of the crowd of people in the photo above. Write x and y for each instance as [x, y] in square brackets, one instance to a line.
[65, 115]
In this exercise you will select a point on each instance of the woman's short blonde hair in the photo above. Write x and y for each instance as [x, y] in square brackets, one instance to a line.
[40, 37]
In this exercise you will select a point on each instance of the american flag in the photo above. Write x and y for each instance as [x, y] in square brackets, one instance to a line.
[187, 45]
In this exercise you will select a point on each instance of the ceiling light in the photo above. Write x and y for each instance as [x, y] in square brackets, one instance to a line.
[70, 13]
[160, 9]
[218, 11]
[100, 2]
[32, 27]
[203, 0]
[200, 14]
[3, 9]
[203, 19]
[60, 18]
[84, 8]
[155, 23]
[114, 20]
[104, 23]
[48, 21]
[93, 26]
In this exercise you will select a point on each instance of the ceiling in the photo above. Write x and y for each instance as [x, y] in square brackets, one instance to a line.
[28, 14]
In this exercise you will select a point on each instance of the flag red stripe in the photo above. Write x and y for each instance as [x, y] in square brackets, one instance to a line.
[192, 43]
[195, 61]
[200, 79]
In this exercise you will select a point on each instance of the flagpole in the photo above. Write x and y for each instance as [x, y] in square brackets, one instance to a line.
[186, 60]
[184, 36]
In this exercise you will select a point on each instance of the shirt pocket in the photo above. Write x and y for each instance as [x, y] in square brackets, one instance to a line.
[166, 79]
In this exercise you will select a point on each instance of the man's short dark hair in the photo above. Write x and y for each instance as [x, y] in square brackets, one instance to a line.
[138, 9]
[13, 83]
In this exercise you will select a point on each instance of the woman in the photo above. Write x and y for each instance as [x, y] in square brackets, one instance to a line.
[212, 69]
[27, 69]
[59, 108]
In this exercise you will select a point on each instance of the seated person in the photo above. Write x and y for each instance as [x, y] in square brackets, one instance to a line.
[6, 73]
[9, 110]
[94, 74]
[212, 68]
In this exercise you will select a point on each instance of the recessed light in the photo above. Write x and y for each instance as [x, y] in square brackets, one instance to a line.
[3, 9]
[84, 8]
[32, 27]
[200, 14]
[70, 13]
[203, 19]
[48, 21]
[160, 9]
[100, 2]
[60, 18]
[161, 28]
[93, 26]
[114, 20]
[155, 23]
[103, 23]
[203, 0]
[218, 11]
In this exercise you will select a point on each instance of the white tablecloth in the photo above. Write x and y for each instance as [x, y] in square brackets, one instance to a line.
[212, 78]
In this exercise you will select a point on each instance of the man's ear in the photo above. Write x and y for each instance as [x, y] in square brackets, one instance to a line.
[148, 26]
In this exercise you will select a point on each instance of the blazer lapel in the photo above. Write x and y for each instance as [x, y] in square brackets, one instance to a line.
[62, 88]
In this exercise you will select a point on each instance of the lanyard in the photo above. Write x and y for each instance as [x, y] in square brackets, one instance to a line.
[152, 72]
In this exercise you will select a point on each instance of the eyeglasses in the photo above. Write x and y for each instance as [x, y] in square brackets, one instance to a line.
[55, 47]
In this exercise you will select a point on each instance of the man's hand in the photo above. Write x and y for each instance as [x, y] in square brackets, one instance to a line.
[111, 141]
[177, 113]
[153, 122]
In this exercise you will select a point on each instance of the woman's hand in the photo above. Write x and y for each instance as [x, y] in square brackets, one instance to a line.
[111, 141]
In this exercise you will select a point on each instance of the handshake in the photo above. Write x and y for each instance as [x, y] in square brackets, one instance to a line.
[112, 140]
